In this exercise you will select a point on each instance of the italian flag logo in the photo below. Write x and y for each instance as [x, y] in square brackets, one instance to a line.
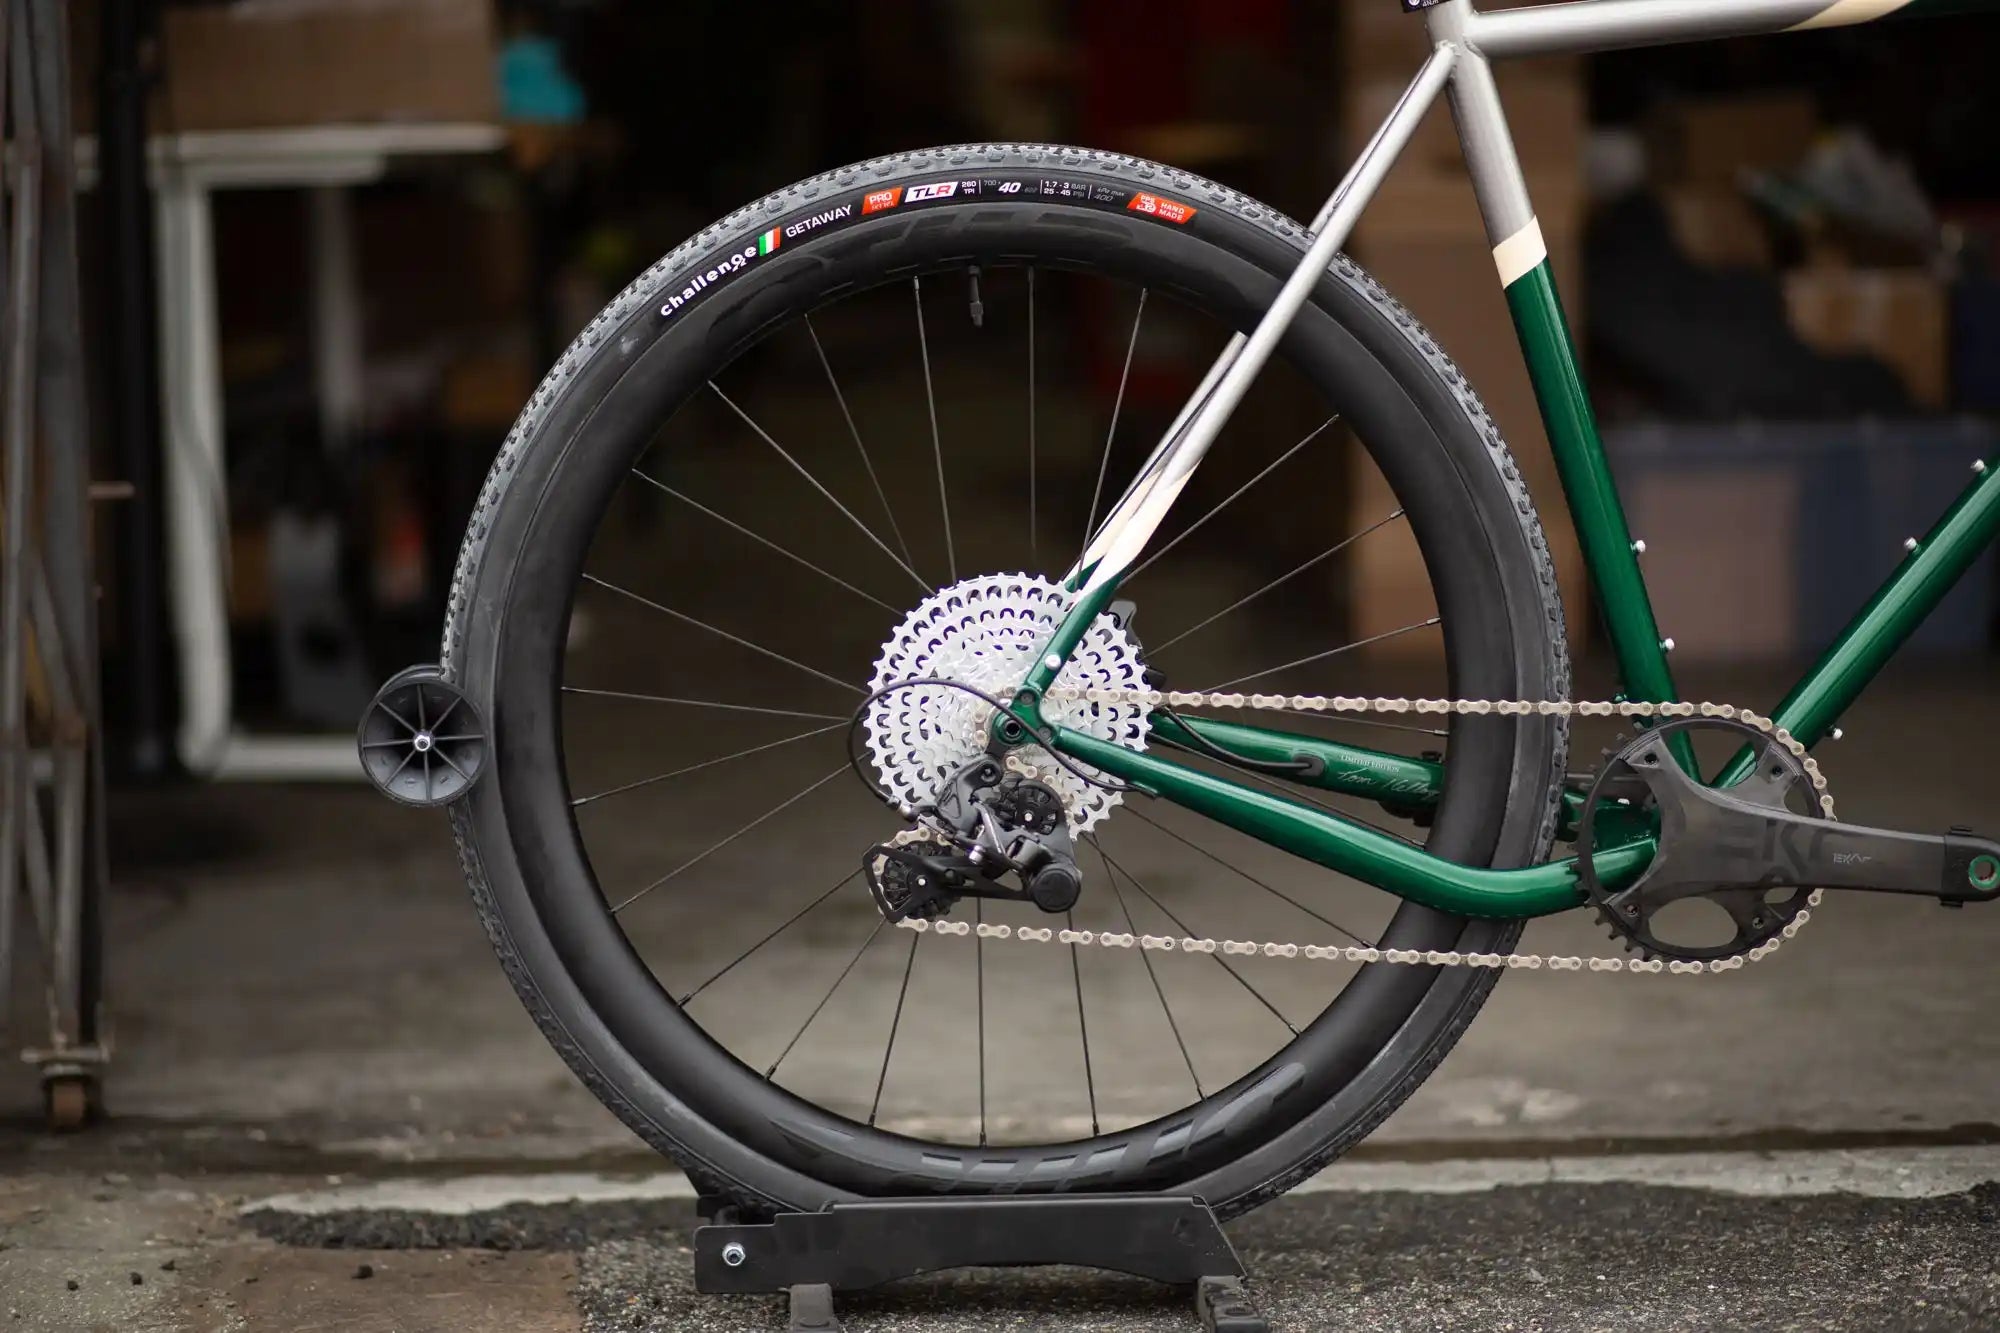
[768, 242]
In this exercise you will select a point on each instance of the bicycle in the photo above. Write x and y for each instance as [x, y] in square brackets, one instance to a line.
[1009, 720]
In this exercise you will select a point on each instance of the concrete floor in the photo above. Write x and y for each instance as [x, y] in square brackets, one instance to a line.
[301, 1000]
[301, 995]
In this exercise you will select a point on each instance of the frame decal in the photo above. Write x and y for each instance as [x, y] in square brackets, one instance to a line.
[1517, 256]
[1843, 12]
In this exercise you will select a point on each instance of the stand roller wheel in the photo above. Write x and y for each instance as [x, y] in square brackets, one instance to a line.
[422, 741]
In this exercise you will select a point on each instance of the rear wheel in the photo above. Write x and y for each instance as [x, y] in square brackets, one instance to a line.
[700, 544]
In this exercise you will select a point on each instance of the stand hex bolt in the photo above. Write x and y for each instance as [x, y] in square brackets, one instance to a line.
[733, 1254]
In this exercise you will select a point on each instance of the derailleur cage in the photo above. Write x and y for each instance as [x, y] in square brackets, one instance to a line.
[991, 823]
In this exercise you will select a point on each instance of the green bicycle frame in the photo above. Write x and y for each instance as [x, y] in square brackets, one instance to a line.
[1465, 41]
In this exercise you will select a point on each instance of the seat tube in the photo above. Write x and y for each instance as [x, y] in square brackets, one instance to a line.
[1522, 259]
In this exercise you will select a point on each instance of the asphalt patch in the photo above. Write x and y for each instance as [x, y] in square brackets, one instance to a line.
[1548, 1258]
[519, 1226]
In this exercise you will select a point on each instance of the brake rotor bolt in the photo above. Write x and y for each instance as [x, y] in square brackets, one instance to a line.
[733, 1254]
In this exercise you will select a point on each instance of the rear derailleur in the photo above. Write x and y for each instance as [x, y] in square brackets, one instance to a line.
[986, 826]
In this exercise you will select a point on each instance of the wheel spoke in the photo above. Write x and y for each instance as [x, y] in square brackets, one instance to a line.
[714, 847]
[1034, 541]
[1083, 1028]
[1220, 961]
[937, 445]
[785, 925]
[725, 634]
[1269, 468]
[875, 480]
[895, 1024]
[880, 921]
[1117, 405]
[1146, 957]
[399, 717]
[1241, 602]
[1235, 869]
[1331, 652]
[793, 556]
[814, 482]
[398, 772]
[453, 765]
[979, 988]
[695, 703]
[706, 763]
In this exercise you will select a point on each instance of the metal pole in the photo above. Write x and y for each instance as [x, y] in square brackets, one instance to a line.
[130, 331]
[17, 351]
[65, 495]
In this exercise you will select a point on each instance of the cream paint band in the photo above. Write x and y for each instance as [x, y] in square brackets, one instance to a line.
[1843, 12]
[1517, 256]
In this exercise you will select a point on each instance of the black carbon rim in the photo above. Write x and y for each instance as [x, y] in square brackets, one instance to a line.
[1368, 1016]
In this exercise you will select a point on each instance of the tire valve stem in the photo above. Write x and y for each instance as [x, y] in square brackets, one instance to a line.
[978, 307]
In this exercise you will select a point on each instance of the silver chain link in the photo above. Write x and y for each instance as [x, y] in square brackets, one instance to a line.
[1308, 703]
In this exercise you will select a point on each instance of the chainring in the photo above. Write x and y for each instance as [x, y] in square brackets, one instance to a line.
[986, 632]
[1622, 786]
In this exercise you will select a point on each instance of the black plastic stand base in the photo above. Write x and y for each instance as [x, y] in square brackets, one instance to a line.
[852, 1246]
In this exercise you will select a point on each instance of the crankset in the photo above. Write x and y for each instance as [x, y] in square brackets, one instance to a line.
[1743, 847]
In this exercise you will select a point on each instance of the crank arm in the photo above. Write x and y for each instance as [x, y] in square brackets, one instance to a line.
[1723, 842]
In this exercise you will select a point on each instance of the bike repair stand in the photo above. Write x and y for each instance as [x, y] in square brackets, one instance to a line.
[852, 1246]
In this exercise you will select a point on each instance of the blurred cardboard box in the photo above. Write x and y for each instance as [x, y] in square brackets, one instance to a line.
[1715, 140]
[1715, 226]
[1423, 239]
[1765, 538]
[255, 64]
[1898, 316]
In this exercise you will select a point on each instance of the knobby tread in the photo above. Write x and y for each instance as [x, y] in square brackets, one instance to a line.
[642, 293]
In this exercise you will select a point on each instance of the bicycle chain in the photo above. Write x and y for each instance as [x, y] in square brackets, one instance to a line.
[1415, 957]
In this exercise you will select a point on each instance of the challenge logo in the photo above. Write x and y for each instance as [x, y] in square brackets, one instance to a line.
[941, 190]
[877, 200]
[1167, 210]
[724, 269]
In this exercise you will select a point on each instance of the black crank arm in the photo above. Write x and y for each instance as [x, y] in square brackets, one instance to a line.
[1733, 843]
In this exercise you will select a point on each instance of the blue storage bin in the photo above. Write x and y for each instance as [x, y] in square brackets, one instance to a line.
[1767, 537]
